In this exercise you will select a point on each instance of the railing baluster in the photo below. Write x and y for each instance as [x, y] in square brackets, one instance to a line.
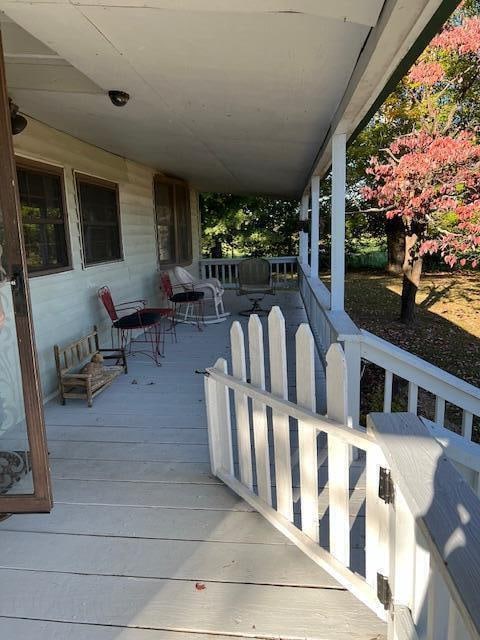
[456, 628]
[387, 393]
[467, 425]
[452, 621]
[404, 541]
[438, 607]
[239, 370]
[412, 397]
[338, 457]
[377, 551]
[307, 435]
[281, 427]
[420, 584]
[439, 411]
[260, 425]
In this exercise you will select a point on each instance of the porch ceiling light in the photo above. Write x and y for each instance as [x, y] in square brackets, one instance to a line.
[18, 121]
[118, 98]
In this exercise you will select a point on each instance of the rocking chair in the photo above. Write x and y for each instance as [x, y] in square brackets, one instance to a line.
[211, 288]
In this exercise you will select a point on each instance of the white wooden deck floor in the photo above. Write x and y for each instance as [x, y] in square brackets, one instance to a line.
[143, 544]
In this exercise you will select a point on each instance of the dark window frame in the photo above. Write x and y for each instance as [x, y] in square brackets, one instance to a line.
[106, 184]
[174, 182]
[39, 167]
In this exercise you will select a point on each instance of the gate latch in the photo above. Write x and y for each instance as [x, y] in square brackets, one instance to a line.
[384, 593]
[386, 491]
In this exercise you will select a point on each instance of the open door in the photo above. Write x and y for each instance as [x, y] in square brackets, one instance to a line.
[24, 471]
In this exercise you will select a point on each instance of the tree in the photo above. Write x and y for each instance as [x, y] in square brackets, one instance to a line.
[432, 183]
[248, 225]
[443, 88]
[428, 181]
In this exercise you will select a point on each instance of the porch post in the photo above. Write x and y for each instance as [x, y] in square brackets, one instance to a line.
[314, 230]
[303, 236]
[339, 159]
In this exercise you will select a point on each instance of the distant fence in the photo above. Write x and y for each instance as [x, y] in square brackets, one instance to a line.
[284, 271]
[367, 260]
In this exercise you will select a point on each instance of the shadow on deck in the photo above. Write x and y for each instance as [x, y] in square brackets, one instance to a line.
[143, 543]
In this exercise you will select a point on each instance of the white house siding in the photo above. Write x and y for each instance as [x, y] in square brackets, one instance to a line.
[65, 305]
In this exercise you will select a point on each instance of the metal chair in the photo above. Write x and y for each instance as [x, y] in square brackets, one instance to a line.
[131, 316]
[187, 296]
[255, 282]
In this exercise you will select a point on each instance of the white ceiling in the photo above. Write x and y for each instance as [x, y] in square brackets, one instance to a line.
[233, 95]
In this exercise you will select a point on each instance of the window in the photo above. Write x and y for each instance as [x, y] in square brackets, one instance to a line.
[100, 220]
[174, 229]
[42, 205]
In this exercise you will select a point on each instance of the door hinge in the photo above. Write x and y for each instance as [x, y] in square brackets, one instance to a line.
[386, 491]
[384, 593]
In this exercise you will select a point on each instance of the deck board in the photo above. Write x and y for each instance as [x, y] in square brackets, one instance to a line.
[128, 434]
[138, 520]
[132, 471]
[46, 630]
[148, 494]
[167, 559]
[144, 522]
[129, 451]
[243, 609]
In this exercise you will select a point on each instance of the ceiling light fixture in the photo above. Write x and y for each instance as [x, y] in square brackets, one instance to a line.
[17, 121]
[118, 98]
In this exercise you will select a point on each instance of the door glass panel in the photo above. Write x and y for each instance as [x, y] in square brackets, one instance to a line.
[15, 460]
[184, 235]
[165, 221]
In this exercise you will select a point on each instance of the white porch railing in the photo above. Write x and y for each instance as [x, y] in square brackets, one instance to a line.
[422, 520]
[284, 271]
[330, 326]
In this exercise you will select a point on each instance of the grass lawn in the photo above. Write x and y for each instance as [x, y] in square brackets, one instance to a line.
[446, 333]
[447, 328]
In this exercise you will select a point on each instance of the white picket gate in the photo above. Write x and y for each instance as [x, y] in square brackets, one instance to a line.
[422, 536]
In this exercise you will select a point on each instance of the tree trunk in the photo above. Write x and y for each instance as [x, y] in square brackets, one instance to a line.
[216, 250]
[395, 231]
[412, 271]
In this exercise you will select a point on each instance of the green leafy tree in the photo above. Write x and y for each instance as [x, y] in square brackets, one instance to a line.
[248, 225]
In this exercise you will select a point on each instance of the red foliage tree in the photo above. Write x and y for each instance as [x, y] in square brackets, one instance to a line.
[431, 182]
[430, 178]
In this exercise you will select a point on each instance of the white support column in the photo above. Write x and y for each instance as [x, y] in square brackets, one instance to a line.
[339, 167]
[314, 228]
[303, 236]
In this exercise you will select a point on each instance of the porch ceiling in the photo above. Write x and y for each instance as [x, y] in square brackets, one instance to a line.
[233, 96]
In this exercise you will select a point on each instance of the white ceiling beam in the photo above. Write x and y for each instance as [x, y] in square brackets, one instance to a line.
[364, 12]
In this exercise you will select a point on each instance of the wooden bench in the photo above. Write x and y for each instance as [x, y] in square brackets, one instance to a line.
[70, 360]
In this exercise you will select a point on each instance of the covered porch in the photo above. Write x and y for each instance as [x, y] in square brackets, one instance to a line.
[144, 542]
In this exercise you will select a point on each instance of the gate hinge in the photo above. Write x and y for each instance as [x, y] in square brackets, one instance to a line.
[386, 490]
[384, 593]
